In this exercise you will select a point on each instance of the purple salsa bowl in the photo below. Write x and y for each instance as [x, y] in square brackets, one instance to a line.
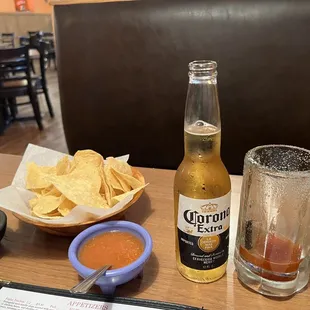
[115, 277]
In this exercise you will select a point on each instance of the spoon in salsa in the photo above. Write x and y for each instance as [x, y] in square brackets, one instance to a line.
[84, 286]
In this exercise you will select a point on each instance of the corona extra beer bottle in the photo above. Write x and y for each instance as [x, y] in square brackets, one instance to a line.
[202, 184]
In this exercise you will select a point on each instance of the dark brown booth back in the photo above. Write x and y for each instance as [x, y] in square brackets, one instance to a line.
[123, 74]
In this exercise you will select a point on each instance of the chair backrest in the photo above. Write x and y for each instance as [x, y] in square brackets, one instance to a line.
[46, 34]
[47, 37]
[8, 38]
[33, 33]
[34, 39]
[14, 59]
[24, 41]
[35, 42]
[123, 89]
[42, 48]
[11, 53]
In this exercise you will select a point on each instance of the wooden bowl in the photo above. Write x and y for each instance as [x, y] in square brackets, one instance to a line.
[71, 230]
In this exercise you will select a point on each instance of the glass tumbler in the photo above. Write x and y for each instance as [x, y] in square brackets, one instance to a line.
[273, 237]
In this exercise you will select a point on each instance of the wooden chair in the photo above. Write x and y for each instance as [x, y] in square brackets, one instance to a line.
[4, 116]
[24, 41]
[33, 33]
[42, 88]
[18, 85]
[48, 37]
[47, 34]
[43, 49]
[8, 39]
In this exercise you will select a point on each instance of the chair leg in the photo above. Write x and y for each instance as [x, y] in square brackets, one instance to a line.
[36, 109]
[13, 107]
[2, 116]
[48, 102]
[7, 112]
[32, 67]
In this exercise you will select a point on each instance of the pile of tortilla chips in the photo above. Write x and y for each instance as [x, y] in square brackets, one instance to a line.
[86, 180]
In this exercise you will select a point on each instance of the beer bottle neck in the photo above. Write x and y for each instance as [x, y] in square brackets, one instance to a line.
[201, 147]
[202, 125]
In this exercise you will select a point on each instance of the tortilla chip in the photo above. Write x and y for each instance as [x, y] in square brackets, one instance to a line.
[32, 202]
[63, 166]
[50, 216]
[124, 184]
[119, 198]
[128, 179]
[118, 165]
[82, 186]
[38, 192]
[86, 180]
[66, 207]
[106, 188]
[137, 175]
[51, 191]
[39, 176]
[47, 204]
[86, 157]
[112, 179]
[121, 167]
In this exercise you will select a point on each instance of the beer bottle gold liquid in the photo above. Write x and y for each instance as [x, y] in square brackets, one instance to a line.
[202, 184]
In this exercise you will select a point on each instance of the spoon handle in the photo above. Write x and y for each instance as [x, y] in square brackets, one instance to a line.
[84, 286]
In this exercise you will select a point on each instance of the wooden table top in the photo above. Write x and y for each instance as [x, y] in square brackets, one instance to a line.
[30, 256]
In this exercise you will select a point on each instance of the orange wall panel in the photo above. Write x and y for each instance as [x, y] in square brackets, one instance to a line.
[30, 4]
[7, 6]
[36, 6]
[42, 6]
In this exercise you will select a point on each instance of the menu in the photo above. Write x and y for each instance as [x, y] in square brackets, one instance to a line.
[12, 299]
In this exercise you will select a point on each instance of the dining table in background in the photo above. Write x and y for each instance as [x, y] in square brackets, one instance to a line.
[31, 256]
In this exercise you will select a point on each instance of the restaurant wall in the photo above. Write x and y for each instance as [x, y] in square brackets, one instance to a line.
[7, 6]
[21, 23]
[40, 6]
[35, 6]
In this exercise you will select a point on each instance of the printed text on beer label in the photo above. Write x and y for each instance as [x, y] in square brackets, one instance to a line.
[200, 217]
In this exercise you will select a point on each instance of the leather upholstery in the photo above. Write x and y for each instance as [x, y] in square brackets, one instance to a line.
[123, 74]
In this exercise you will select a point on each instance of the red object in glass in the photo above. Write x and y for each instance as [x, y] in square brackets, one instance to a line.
[21, 5]
[274, 255]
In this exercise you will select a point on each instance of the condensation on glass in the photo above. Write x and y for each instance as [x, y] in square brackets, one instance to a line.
[273, 238]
